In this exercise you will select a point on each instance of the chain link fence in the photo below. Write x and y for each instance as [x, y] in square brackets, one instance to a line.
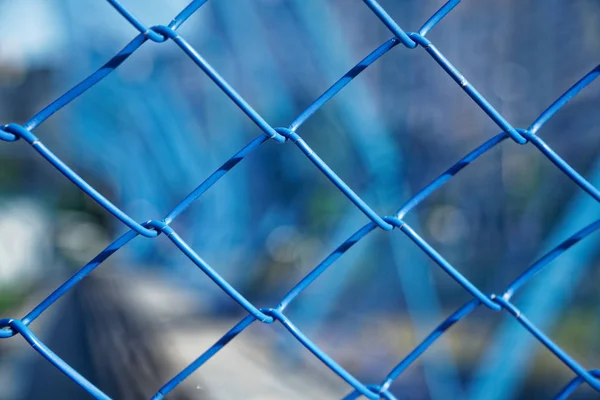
[13, 132]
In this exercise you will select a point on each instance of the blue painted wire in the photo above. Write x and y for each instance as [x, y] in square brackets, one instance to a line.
[574, 384]
[128, 236]
[446, 266]
[78, 276]
[382, 160]
[437, 17]
[222, 283]
[215, 176]
[187, 12]
[342, 82]
[529, 273]
[197, 363]
[133, 20]
[337, 181]
[335, 367]
[80, 182]
[152, 228]
[564, 166]
[449, 173]
[470, 306]
[428, 341]
[49, 355]
[468, 88]
[219, 81]
[580, 210]
[106, 69]
[374, 388]
[550, 345]
[390, 23]
[414, 39]
[564, 99]
[277, 134]
[326, 263]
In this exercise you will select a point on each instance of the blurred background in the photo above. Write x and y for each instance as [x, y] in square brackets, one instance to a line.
[150, 132]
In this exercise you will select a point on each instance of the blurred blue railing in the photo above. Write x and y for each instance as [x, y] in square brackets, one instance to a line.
[153, 228]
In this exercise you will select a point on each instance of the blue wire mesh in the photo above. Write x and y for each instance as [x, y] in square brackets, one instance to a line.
[153, 228]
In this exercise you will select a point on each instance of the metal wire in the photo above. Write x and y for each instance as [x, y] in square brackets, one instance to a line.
[497, 302]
